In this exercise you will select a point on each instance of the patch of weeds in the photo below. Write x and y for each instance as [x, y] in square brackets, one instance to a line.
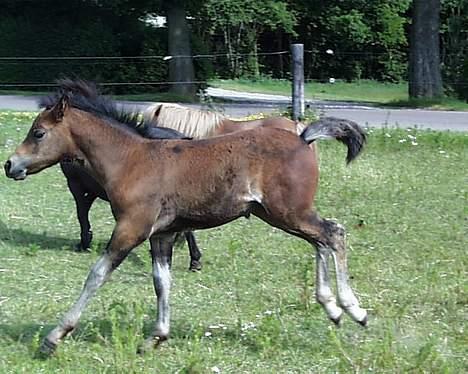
[35, 342]
[428, 360]
[31, 250]
[265, 336]
[194, 362]
[127, 326]
[307, 294]
[234, 248]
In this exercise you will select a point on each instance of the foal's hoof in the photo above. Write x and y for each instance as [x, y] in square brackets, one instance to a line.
[195, 265]
[151, 343]
[336, 321]
[46, 349]
[364, 321]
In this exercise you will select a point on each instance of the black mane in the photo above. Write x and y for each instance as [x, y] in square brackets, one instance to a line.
[86, 97]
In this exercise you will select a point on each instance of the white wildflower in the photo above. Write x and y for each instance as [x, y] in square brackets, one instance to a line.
[414, 143]
[331, 80]
[248, 326]
[329, 51]
[208, 334]
[216, 369]
[402, 141]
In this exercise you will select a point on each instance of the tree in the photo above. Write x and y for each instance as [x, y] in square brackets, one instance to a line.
[425, 78]
[180, 68]
[240, 22]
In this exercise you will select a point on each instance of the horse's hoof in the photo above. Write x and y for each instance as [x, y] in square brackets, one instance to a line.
[80, 248]
[195, 266]
[46, 349]
[150, 344]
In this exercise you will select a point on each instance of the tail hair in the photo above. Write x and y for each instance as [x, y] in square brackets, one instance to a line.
[343, 130]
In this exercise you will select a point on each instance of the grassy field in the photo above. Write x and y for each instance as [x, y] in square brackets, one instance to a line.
[251, 309]
[389, 94]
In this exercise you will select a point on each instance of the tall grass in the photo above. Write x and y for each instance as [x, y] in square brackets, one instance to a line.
[251, 309]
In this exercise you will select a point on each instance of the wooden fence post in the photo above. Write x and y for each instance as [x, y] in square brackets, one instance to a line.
[298, 105]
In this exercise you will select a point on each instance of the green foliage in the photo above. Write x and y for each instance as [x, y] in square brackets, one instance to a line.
[369, 40]
[241, 23]
[78, 29]
[455, 46]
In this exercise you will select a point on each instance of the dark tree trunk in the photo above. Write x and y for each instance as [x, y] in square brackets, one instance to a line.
[181, 68]
[424, 67]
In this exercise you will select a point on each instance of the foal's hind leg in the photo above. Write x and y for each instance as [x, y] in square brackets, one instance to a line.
[346, 297]
[161, 254]
[323, 292]
[329, 238]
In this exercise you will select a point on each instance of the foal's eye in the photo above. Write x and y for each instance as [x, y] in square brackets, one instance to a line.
[38, 134]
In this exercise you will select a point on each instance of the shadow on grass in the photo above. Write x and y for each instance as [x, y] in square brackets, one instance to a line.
[100, 331]
[24, 333]
[26, 238]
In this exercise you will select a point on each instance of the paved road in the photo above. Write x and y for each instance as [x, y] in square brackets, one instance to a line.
[364, 115]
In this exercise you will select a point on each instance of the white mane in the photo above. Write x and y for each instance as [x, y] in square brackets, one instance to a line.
[196, 123]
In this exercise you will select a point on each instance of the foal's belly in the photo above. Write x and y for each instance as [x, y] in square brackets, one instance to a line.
[211, 216]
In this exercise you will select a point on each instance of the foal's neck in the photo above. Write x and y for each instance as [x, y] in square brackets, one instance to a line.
[105, 146]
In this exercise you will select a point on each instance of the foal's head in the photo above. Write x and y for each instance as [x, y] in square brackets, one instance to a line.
[47, 142]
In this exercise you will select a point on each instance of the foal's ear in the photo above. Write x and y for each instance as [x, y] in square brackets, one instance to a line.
[59, 109]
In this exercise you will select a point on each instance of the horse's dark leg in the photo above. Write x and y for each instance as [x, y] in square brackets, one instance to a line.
[161, 254]
[124, 238]
[83, 200]
[195, 254]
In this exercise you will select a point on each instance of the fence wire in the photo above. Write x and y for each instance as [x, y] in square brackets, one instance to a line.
[275, 63]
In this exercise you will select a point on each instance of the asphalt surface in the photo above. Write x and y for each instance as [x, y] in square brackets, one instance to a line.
[243, 104]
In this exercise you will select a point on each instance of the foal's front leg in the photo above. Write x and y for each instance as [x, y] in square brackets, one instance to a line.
[161, 254]
[124, 238]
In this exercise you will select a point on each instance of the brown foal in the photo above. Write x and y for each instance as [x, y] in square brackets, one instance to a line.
[159, 187]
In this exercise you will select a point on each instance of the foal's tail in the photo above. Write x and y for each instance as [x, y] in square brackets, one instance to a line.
[343, 130]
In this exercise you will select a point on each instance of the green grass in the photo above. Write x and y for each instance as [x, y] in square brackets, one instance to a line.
[371, 92]
[251, 309]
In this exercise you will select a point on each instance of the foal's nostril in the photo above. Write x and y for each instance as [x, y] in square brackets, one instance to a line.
[7, 166]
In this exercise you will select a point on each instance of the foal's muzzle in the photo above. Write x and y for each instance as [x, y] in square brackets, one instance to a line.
[15, 169]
